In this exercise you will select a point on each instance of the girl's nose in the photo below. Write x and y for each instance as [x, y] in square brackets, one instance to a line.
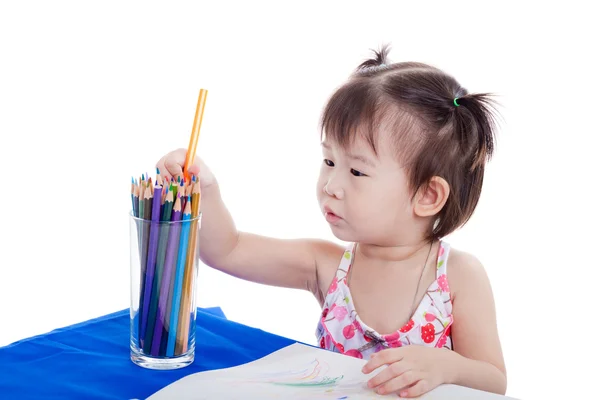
[333, 189]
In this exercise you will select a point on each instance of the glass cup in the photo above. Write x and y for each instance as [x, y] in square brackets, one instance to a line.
[164, 267]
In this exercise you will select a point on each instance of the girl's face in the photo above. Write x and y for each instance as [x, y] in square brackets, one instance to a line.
[365, 197]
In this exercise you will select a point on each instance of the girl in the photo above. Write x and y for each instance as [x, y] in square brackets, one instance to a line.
[404, 150]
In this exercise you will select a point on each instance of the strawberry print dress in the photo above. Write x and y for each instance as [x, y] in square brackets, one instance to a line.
[340, 329]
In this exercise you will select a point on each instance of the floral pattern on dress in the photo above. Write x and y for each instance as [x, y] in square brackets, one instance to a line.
[340, 329]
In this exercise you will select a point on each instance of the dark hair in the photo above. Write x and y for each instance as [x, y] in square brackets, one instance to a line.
[432, 135]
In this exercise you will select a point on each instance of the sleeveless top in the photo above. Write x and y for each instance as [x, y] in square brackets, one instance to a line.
[340, 328]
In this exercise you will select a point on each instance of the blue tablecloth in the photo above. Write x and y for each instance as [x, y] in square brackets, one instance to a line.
[90, 360]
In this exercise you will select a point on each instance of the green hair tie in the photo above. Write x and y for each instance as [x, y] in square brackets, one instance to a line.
[455, 103]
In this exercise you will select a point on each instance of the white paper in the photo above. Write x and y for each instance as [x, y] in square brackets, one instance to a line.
[295, 372]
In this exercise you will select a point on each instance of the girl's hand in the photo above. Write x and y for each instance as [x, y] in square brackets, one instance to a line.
[171, 165]
[411, 370]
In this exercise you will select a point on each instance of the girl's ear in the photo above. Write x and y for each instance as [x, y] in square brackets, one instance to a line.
[432, 197]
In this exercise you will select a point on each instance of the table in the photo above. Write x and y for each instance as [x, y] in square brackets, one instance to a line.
[91, 360]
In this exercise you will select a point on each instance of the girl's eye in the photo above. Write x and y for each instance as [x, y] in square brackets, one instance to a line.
[356, 173]
[327, 162]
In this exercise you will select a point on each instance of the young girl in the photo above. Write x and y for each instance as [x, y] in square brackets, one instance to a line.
[404, 149]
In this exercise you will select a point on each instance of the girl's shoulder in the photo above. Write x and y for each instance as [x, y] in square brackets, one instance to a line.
[464, 269]
[328, 256]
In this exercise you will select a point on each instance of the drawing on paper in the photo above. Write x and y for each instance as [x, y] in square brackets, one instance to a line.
[293, 373]
[315, 374]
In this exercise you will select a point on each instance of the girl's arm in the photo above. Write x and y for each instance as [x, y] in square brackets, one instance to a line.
[287, 263]
[301, 263]
[477, 360]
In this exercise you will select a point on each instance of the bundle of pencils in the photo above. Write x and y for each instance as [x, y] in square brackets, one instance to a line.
[167, 214]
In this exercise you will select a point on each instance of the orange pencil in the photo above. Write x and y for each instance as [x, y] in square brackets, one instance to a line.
[187, 301]
[191, 151]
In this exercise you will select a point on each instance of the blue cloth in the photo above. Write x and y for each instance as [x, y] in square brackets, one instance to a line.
[91, 360]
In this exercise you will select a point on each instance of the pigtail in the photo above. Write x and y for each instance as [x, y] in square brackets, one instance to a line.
[475, 124]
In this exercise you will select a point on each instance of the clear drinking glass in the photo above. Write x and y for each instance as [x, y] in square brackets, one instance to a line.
[164, 268]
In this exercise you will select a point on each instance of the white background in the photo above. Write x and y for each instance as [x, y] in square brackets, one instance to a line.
[93, 94]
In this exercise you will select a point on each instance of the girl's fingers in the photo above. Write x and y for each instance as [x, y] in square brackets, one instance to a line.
[399, 382]
[418, 389]
[388, 373]
[172, 164]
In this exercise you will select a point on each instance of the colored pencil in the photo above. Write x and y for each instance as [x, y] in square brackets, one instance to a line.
[191, 151]
[151, 265]
[136, 200]
[158, 177]
[183, 247]
[190, 275]
[159, 274]
[163, 315]
[174, 188]
[146, 209]
[133, 186]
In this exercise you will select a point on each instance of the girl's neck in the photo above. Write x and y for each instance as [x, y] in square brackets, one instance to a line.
[401, 253]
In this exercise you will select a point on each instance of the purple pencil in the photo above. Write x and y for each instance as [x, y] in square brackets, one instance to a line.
[170, 260]
[151, 263]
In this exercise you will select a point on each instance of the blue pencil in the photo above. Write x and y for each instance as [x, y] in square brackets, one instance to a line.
[164, 296]
[177, 285]
[133, 195]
